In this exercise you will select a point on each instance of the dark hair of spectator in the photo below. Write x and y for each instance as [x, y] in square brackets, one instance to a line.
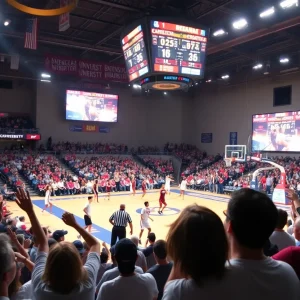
[151, 237]
[197, 243]
[22, 219]
[253, 217]
[282, 218]
[145, 203]
[160, 249]
[64, 269]
[103, 257]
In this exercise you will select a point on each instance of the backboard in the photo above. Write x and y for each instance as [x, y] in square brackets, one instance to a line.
[237, 152]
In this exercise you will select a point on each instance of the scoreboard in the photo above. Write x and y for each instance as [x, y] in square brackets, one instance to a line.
[178, 49]
[135, 53]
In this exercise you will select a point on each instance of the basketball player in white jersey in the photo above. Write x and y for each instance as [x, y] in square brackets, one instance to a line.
[48, 202]
[145, 216]
[183, 187]
[168, 184]
[87, 215]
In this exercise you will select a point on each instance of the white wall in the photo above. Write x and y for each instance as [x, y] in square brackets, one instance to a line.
[20, 99]
[141, 121]
[221, 110]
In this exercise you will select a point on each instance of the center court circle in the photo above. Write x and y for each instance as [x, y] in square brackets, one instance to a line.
[168, 211]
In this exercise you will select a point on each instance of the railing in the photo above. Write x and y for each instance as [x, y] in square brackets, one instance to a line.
[18, 131]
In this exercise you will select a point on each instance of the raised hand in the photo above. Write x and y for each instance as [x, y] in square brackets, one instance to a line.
[19, 257]
[69, 219]
[291, 195]
[24, 201]
[11, 234]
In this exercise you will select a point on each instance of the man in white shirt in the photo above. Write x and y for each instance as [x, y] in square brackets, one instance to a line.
[279, 237]
[129, 285]
[269, 182]
[251, 217]
[114, 272]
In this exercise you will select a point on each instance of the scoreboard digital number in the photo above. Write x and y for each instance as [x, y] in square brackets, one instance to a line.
[135, 53]
[178, 49]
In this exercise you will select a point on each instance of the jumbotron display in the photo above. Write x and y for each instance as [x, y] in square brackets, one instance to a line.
[178, 49]
[276, 132]
[135, 53]
[87, 106]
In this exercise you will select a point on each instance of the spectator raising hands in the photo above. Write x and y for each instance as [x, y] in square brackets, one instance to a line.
[59, 273]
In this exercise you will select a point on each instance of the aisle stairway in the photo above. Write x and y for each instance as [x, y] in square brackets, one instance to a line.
[31, 191]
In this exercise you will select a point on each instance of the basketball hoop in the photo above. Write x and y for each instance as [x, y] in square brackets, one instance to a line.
[229, 161]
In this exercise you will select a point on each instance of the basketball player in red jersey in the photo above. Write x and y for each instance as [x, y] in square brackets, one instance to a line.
[162, 201]
[133, 185]
[95, 190]
[108, 189]
[144, 185]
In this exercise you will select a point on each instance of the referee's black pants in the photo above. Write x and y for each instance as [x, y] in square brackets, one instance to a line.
[117, 232]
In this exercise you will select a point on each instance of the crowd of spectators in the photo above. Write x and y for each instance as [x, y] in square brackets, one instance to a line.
[15, 122]
[118, 170]
[88, 148]
[161, 166]
[257, 261]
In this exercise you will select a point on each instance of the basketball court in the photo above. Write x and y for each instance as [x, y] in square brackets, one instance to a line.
[102, 211]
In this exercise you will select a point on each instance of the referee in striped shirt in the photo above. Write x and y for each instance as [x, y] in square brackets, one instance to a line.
[119, 220]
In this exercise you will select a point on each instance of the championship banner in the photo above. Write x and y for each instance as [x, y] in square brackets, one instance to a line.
[86, 68]
[64, 19]
[206, 137]
[233, 138]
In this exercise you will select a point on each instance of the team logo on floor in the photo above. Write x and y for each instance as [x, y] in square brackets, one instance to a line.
[168, 211]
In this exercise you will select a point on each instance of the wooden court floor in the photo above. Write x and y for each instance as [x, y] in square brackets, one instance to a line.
[102, 211]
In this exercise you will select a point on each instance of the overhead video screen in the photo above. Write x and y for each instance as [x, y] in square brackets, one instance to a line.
[87, 106]
[135, 53]
[276, 132]
[178, 49]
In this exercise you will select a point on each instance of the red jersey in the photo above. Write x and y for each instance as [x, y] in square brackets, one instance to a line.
[143, 185]
[162, 195]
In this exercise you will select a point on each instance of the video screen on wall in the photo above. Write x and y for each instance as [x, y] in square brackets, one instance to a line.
[276, 132]
[135, 53]
[178, 49]
[87, 106]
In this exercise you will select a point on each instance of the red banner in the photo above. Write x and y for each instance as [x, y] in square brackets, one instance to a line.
[85, 68]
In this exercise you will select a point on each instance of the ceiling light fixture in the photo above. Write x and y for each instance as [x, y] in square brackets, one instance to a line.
[284, 60]
[289, 3]
[165, 93]
[136, 86]
[45, 75]
[268, 12]
[225, 76]
[257, 66]
[219, 32]
[6, 22]
[240, 24]
[208, 80]
[45, 80]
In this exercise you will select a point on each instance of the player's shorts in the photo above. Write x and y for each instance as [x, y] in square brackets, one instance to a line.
[145, 225]
[95, 192]
[87, 220]
[162, 202]
[144, 190]
[167, 188]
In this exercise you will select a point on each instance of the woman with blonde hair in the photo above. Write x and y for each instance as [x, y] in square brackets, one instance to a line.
[198, 245]
[59, 273]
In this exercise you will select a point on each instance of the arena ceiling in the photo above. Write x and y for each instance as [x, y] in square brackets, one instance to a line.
[96, 26]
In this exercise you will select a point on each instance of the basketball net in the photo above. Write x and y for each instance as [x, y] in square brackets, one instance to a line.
[229, 161]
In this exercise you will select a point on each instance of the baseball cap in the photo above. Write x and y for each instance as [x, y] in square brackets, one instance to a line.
[57, 234]
[79, 246]
[125, 252]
